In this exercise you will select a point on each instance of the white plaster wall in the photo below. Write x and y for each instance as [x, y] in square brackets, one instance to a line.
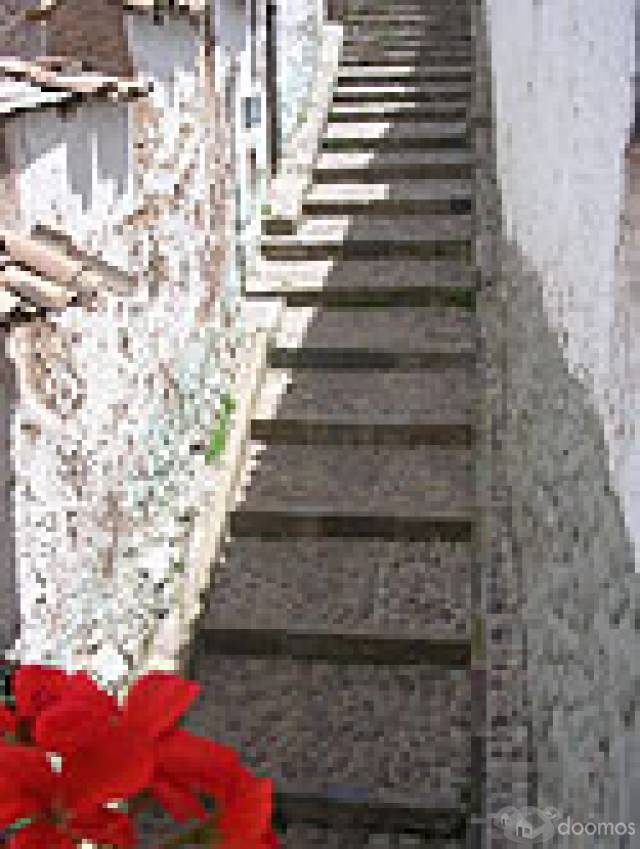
[75, 168]
[299, 36]
[562, 94]
[562, 97]
[118, 401]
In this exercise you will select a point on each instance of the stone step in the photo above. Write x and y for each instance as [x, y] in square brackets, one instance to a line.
[399, 330]
[394, 135]
[306, 836]
[362, 733]
[424, 46]
[432, 52]
[373, 166]
[425, 40]
[390, 198]
[407, 110]
[311, 406]
[389, 9]
[416, 17]
[392, 28]
[361, 236]
[410, 590]
[404, 74]
[366, 282]
[347, 646]
[424, 59]
[423, 92]
[275, 524]
[415, 482]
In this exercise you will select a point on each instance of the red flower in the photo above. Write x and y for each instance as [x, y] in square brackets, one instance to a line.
[185, 762]
[8, 722]
[154, 704]
[38, 689]
[67, 806]
[245, 809]
[187, 765]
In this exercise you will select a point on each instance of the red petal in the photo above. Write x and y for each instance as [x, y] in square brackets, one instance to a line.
[104, 826]
[38, 836]
[247, 814]
[178, 801]
[115, 765]
[192, 759]
[270, 840]
[16, 808]
[81, 687]
[36, 687]
[157, 700]
[68, 726]
[26, 773]
[8, 720]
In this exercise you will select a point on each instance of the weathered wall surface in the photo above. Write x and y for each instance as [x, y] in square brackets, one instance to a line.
[562, 98]
[92, 31]
[299, 37]
[74, 171]
[17, 36]
[117, 401]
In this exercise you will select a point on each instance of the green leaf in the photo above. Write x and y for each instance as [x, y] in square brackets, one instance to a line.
[227, 402]
[18, 824]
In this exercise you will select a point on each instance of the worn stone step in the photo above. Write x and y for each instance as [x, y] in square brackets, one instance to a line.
[366, 733]
[409, 110]
[359, 481]
[362, 236]
[334, 645]
[407, 74]
[434, 57]
[415, 18]
[395, 135]
[419, 589]
[366, 282]
[391, 330]
[340, 820]
[434, 53]
[390, 9]
[373, 166]
[306, 836]
[368, 40]
[424, 47]
[390, 198]
[377, 407]
[424, 92]
[400, 29]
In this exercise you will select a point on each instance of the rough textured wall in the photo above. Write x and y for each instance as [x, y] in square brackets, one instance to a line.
[74, 171]
[118, 400]
[562, 100]
[8, 193]
[9, 607]
[298, 40]
[17, 36]
[92, 31]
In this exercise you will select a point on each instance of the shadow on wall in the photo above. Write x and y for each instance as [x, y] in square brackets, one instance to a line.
[94, 143]
[9, 607]
[576, 566]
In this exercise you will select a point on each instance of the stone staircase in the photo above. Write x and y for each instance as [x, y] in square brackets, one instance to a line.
[336, 641]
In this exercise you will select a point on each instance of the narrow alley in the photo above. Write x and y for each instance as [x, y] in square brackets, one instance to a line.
[335, 646]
